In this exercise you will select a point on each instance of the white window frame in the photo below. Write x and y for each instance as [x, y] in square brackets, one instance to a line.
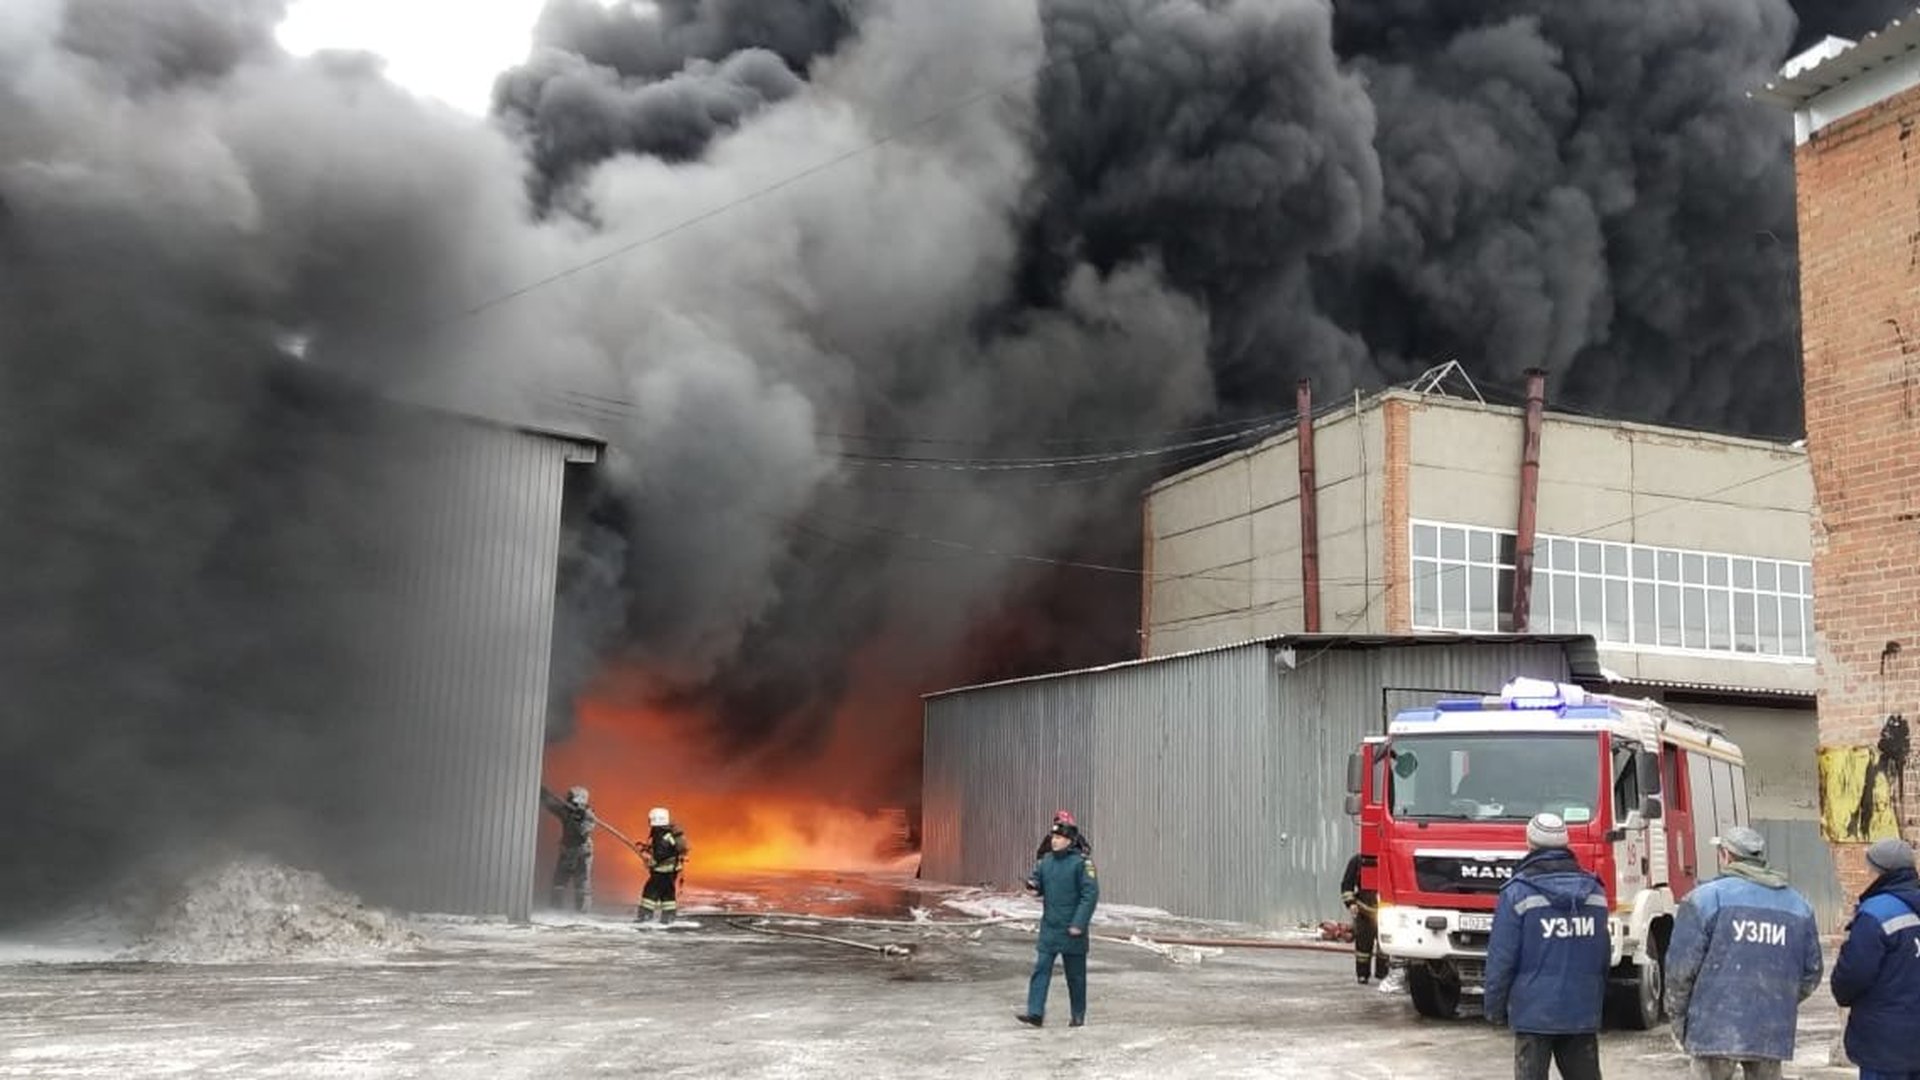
[1711, 564]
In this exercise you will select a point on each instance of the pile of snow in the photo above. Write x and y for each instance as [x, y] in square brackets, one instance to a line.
[252, 911]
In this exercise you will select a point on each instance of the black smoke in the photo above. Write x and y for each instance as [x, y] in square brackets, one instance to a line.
[658, 78]
[925, 237]
[1350, 193]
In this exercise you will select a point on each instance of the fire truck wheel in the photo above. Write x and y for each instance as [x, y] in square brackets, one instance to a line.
[1637, 995]
[1435, 989]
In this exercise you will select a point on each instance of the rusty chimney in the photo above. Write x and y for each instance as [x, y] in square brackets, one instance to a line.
[1529, 501]
[1309, 513]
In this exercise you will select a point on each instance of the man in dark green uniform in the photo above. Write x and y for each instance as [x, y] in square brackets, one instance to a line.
[1069, 890]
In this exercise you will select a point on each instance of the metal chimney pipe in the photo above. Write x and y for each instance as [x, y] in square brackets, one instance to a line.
[1529, 502]
[1309, 513]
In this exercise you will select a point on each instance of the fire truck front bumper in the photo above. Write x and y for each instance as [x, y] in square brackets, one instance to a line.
[1419, 933]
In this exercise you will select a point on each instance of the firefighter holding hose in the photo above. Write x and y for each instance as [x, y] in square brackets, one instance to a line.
[1363, 905]
[665, 853]
[575, 866]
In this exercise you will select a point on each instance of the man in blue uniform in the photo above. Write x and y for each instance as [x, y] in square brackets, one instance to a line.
[1745, 954]
[1069, 890]
[1548, 957]
[1878, 973]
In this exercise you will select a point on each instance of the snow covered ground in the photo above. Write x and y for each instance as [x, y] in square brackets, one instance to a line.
[720, 997]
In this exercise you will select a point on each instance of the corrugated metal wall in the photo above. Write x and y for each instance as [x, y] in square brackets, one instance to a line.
[463, 701]
[1211, 784]
[1797, 849]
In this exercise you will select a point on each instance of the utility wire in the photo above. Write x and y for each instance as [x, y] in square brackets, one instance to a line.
[825, 165]
[1213, 575]
[621, 410]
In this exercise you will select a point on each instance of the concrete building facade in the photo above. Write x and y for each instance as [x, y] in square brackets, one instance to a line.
[1686, 555]
[1856, 109]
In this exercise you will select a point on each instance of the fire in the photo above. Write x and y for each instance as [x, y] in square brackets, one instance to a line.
[738, 820]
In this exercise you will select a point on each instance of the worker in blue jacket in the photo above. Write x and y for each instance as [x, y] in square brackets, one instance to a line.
[1548, 957]
[1878, 973]
[1745, 953]
[1069, 890]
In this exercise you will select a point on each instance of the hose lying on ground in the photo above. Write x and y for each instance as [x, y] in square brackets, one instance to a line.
[895, 951]
[1164, 946]
[1253, 943]
[851, 920]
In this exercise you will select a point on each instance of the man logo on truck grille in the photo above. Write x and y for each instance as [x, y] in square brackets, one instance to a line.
[1485, 872]
[1576, 926]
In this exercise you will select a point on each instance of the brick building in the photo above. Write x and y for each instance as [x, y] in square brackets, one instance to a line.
[1686, 555]
[1856, 108]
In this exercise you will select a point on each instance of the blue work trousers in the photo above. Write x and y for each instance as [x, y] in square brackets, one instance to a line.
[1076, 965]
[1869, 1074]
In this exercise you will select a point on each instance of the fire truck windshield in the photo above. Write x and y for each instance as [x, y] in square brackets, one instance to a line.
[1472, 777]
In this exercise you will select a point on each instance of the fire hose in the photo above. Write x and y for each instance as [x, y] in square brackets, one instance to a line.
[890, 950]
[755, 921]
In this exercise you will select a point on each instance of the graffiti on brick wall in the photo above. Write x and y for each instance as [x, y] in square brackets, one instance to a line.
[1863, 788]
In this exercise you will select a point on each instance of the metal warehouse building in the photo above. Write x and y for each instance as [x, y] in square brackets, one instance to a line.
[463, 697]
[436, 552]
[1211, 783]
[1686, 555]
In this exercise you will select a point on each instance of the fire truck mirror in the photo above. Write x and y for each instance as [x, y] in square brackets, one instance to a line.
[1356, 772]
[1650, 808]
[1646, 765]
[1353, 805]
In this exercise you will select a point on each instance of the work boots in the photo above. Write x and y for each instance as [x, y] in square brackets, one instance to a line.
[666, 917]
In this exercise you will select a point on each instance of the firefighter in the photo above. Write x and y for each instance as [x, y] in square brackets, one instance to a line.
[1877, 976]
[575, 864]
[1080, 842]
[1548, 957]
[665, 854]
[1069, 890]
[1364, 906]
[1745, 954]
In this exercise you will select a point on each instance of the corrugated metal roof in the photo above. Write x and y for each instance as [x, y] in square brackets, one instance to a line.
[1583, 653]
[1836, 63]
[1728, 689]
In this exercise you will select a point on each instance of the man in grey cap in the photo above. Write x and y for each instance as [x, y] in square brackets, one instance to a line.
[1745, 953]
[1878, 973]
[1547, 959]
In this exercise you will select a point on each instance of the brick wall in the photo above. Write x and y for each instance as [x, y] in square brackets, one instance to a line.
[1395, 522]
[1859, 211]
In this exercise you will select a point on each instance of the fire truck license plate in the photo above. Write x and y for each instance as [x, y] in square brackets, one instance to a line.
[1477, 923]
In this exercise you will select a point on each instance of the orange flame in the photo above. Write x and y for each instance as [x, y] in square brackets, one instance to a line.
[737, 820]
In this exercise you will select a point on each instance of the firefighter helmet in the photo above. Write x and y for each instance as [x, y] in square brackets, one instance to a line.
[577, 795]
[659, 816]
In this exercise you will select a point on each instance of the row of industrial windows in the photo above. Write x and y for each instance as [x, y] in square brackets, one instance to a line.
[1623, 594]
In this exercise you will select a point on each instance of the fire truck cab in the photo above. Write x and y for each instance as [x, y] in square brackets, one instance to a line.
[1443, 801]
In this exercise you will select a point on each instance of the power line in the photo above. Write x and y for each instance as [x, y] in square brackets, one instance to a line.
[685, 224]
[1212, 574]
[620, 410]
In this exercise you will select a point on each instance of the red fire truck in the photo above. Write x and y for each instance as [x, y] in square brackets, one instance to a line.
[1443, 801]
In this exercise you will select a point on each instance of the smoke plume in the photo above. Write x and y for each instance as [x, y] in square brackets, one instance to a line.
[815, 271]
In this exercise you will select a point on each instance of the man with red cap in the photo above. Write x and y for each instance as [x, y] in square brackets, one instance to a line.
[1080, 842]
